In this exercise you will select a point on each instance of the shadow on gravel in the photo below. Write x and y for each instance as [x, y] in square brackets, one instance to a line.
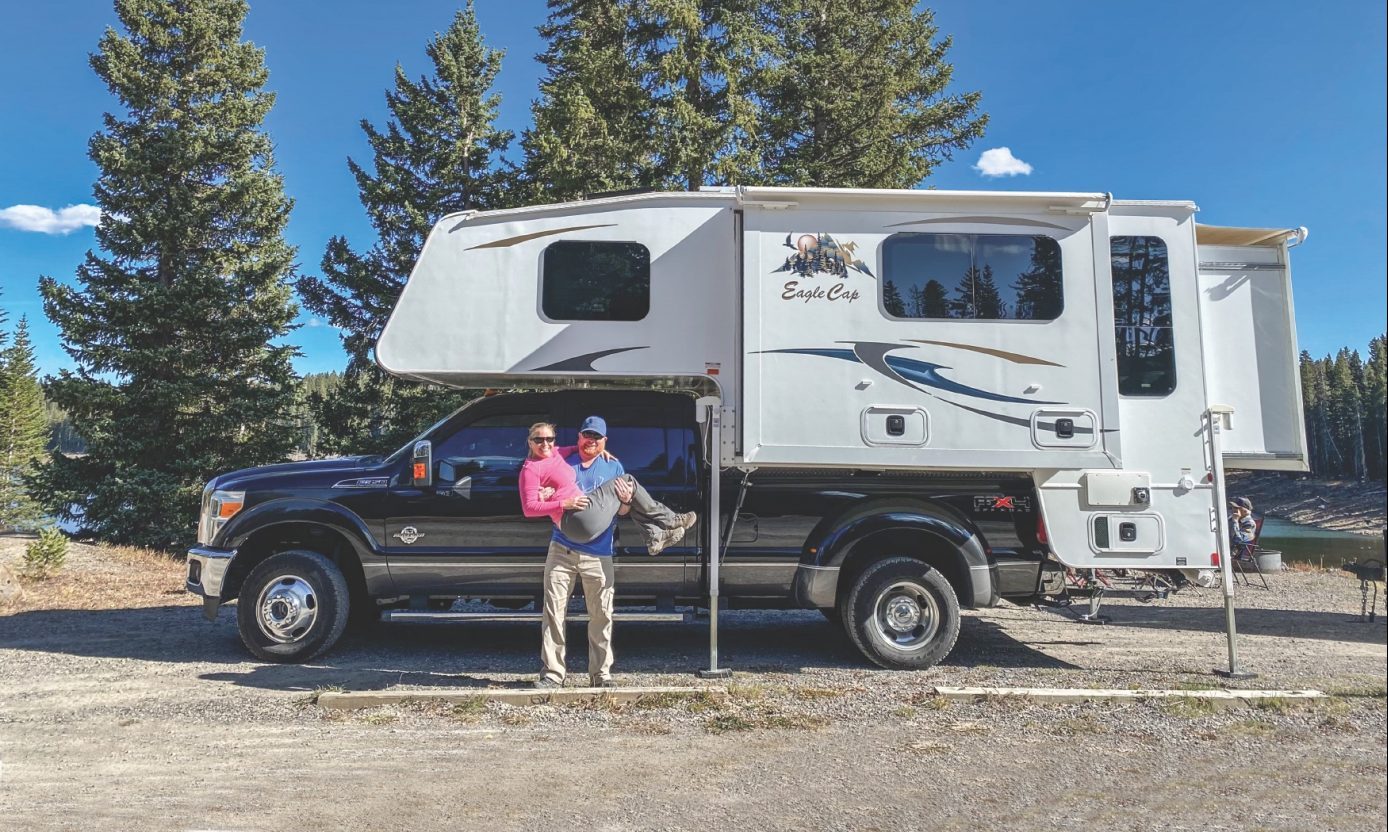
[1326, 626]
[468, 655]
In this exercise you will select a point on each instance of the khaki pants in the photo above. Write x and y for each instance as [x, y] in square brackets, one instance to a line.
[562, 567]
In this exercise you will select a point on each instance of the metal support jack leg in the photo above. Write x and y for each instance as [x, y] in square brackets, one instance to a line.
[1215, 420]
[714, 415]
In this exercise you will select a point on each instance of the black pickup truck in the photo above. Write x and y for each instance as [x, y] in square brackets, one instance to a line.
[306, 546]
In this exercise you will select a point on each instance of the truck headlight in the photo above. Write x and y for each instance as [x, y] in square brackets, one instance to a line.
[217, 509]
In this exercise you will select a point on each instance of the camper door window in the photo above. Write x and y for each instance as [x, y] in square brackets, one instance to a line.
[985, 277]
[1142, 316]
[595, 281]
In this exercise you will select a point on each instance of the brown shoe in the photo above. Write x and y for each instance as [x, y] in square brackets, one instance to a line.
[662, 539]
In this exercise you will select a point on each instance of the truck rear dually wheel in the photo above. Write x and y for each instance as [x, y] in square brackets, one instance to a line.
[293, 606]
[901, 613]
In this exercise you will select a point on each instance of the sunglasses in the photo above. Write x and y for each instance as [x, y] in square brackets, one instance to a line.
[589, 434]
[542, 440]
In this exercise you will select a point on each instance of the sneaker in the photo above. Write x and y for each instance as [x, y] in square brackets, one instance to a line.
[688, 519]
[595, 682]
[661, 539]
[546, 683]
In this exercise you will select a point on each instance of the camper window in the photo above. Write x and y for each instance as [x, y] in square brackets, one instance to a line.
[1142, 316]
[989, 277]
[596, 281]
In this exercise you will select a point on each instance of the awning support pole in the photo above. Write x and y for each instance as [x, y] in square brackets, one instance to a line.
[713, 527]
[1216, 418]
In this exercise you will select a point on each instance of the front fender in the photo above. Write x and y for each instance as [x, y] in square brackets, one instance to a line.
[296, 510]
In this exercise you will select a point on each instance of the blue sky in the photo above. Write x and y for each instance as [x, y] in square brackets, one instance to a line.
[1263, 113]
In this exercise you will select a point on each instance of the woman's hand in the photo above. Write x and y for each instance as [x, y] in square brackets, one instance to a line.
[545, 492]
[624, 490]
[579, 502]
[607, 457]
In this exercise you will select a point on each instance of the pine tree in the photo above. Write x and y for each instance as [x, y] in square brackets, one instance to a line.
[854, 95]
[172, 325]
[23, 431]
[1037, 295]
[593, 122]
[437, 155]
[697, 60]
[987, 299]
[1376, 407]
[891, 299]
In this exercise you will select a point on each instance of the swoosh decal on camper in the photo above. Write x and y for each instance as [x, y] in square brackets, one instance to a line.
[582, 363]
[1014, 357]
[535, 235]
[908, 371]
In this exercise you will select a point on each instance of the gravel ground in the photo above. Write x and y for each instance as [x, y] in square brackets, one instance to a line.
[150, 717]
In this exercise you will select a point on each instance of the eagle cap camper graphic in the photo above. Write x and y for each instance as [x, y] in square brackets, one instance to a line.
[820, 254]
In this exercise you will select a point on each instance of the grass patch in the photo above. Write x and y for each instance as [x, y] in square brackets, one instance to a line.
[103, 577]
[1080, 726]
[1198, 684]
[1276, 704]
[517, 718]
[750, 721]
[1251, 727]
[746, 693]
[1187, 707]
[658, 701]
[1368, 690]
[379, 718]
[930, 701]
[811, 694]
[904, 712]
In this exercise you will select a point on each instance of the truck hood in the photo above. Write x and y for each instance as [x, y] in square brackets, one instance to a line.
[308, 469]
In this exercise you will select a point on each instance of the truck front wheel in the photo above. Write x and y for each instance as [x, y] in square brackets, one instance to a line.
[293, 606]
[902, 614]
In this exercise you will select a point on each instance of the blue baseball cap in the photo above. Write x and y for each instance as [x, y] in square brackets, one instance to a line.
[595, 424]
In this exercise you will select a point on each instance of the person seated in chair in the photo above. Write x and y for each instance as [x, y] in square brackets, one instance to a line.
[1243, 530]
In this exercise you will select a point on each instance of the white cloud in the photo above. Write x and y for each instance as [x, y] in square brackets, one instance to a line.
[1000, 162]
[47, 221]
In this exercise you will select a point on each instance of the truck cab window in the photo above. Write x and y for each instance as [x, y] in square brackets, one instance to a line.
[596, 281]
[1142, 316]
[491, 443]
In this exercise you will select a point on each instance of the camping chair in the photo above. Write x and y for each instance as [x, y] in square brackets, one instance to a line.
[1245, 556]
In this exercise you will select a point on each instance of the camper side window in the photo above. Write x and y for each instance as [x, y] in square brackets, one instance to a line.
[986, 277]
[596, 281]
[1142, 316]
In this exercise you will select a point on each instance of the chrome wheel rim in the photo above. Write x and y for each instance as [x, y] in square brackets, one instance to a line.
[907, 616]
[287, 609]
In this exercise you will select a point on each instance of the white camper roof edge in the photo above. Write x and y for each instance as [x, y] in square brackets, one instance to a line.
[768, 196]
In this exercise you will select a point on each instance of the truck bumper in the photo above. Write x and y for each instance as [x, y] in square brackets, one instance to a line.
[207, 568]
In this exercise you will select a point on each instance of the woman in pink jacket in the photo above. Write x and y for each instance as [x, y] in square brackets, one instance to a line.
[548, 488]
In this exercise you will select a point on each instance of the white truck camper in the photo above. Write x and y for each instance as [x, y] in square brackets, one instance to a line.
[1115, 351]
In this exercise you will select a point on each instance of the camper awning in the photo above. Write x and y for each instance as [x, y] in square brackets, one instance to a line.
[1223, 235]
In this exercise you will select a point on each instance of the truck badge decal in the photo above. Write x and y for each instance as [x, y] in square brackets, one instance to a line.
[1007, 504]
[409, 535]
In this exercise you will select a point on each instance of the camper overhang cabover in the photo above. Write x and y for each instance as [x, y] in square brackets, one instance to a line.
[1071, 336]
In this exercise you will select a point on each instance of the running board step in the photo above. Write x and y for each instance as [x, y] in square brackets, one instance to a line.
[422, 617]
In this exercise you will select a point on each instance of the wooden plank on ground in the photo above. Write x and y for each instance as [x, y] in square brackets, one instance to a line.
[1068, 695]
[351, 700]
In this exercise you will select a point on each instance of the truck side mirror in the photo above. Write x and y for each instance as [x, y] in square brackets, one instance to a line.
[421, 466]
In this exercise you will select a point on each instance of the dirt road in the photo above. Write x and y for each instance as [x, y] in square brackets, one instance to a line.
[152, 718]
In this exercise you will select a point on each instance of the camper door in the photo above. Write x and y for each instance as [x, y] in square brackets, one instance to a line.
[1251, 356]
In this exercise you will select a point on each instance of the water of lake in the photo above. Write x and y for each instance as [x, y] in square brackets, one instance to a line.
[1307, 544]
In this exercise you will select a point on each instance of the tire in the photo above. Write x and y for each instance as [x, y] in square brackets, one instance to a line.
[293, 606]
[902, 614]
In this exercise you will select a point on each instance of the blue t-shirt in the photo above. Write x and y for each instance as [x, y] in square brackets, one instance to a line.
[589, 478]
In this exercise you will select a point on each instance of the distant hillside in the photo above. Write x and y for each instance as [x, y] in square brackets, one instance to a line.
[1340, 505]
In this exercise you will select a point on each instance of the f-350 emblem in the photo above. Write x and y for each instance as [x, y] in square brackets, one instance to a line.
[409, 535]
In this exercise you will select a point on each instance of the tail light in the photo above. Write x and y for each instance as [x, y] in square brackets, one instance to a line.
[1041, 536]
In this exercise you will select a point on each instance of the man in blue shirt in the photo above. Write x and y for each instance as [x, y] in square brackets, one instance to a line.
[589, 562]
